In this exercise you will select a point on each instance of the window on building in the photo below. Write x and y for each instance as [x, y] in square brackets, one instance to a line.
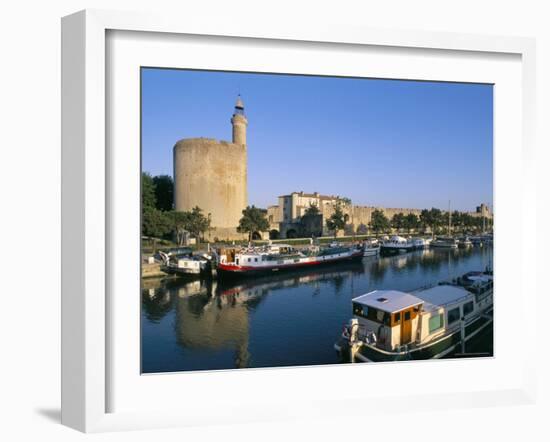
[407, 316]
[453, 315]
[468, 308]
[435, 323]
[397, 318]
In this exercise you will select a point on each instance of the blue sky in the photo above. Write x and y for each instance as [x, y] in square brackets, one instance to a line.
[379, 142]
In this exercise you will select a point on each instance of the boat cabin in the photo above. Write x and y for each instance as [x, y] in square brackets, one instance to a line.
[398, 319]
[391, 315]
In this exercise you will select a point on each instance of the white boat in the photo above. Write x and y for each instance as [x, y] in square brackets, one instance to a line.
[390, 325]
[185, 264]
[251, 262]
[445, 243]
[465, 243]
[371, 248]
[420, 243]
[396, 244]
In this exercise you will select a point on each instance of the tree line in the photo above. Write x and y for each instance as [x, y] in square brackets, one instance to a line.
[158, 217]
[160, 220]
[433, 218]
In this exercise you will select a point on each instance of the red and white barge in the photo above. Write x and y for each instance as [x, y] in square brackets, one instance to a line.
[249, 262]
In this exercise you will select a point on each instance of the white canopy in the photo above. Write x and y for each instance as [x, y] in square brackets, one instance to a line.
[390, 301]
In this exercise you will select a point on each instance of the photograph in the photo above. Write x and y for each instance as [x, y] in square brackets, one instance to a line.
[300, 220]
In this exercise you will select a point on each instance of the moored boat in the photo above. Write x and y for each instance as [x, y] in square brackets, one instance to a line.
[185, 264]
[420, 243]
[445, 242]
[396, 244]
[371, 248]
[390, 325]
[249, 262]
[464, 242]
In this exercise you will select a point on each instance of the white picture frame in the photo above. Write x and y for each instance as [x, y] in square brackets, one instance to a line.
[86, 317]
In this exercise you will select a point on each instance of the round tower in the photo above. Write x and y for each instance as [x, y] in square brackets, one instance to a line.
[239, 123]
[212, 175]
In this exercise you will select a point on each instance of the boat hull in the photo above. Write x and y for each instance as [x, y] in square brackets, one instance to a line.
[230, 270]
[396, 249]
[371, 251]
[438, 349]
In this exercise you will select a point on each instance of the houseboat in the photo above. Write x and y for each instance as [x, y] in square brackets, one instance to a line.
[186, 264]
[390, 325]
[371, 248]
[396, 244]
[445, 243]
[465, 243]
[420, 243]
[249, 262]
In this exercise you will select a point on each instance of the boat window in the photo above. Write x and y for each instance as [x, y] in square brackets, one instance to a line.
[435, 323]
[358, 309]
[372, 314]
[255, 259]
[397, 318]
[407, 316]
[237, 261]
[453, 315]
[468, 308]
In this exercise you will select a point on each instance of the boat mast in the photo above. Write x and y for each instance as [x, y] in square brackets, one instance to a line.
[449, 218]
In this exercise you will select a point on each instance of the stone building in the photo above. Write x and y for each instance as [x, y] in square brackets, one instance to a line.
[286, 218]
[483, 211]
[212, 175]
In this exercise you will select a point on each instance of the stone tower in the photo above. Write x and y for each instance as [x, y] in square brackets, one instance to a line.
[239, 123]
[212, 175]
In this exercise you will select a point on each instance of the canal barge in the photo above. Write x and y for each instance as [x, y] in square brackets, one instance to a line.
[420, 243]
[447, 242]
[390, 325]
[396, 244]
[186, 264]
[371, 248]
[250, 262]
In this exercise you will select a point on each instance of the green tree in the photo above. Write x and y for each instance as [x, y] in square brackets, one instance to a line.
[180, 223]
[398, 221]
[425, 218]
[197, 223]
[164, 192]
[337, 220]
[345, 201]
[312, 210]
[379, 222]
[148, 198]
[411, 221]
[155, 224]
[432, 218]
[253, 220]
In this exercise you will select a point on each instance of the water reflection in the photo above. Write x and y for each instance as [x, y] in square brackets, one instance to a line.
[283, 319]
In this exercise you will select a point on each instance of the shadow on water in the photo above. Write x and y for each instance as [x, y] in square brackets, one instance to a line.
[283, 319]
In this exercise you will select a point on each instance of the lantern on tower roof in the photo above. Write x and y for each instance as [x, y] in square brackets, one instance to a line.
[239, 105]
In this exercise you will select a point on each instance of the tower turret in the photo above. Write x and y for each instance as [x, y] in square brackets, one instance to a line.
[239, 123]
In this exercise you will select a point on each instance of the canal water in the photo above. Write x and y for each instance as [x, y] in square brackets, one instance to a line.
[280, 320]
